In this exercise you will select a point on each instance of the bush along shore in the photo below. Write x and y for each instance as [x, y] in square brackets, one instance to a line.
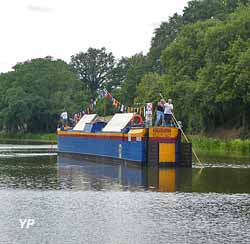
[203, 143]
[38, 137]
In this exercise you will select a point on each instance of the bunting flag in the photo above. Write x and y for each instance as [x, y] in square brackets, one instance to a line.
[109, 96]
[138, 108]
[121, 107]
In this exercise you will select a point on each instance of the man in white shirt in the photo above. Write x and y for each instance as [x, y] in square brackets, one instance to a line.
[64, 116]
[168, 111]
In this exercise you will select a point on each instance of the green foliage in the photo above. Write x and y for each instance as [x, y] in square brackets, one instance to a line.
[200, 59]
[197, 10]
[31, 137]
[163, 37]
[216, 145]
[207, 69]
[36, 92]
[136, 68]
[203, 10]
[94, 68]
[149, 88]
[104, 107]
[118, 74]
[187, 53]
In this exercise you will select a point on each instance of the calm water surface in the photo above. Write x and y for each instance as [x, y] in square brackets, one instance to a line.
[81, 202]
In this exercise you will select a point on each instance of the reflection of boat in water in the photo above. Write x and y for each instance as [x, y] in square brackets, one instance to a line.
[84, 175]
[121, 141]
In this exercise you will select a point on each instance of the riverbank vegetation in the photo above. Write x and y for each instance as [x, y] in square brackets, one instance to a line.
[202, 143]
[201, 59]
[24, 136]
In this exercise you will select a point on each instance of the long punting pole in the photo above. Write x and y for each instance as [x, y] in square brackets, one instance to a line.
[198, 160]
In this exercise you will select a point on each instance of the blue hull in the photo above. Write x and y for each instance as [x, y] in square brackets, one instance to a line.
[110, 148]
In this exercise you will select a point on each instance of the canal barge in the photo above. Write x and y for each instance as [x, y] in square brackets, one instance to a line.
[123, 140]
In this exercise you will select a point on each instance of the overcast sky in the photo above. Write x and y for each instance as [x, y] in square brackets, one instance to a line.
[61, 28]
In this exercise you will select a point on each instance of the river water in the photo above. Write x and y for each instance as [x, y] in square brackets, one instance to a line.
[70, 201]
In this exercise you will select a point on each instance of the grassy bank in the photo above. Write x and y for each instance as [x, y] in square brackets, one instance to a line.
[40, 137]
[218, 145]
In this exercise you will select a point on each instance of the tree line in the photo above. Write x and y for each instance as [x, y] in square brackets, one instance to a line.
[201, 59]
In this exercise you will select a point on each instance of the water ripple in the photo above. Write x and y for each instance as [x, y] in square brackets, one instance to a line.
[125, 217]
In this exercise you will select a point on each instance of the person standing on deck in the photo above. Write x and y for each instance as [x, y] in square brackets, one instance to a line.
[75, 119]
[160, 112]
[168, 111]
[64, 116]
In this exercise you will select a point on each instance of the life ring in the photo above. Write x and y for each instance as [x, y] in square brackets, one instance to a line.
[136, 120]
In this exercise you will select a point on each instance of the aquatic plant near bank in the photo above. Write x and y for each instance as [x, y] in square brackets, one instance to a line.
[213, 144]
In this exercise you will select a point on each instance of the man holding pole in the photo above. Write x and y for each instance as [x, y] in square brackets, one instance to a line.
[168, 111]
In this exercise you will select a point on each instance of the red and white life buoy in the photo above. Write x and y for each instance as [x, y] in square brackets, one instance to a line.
[136, 120]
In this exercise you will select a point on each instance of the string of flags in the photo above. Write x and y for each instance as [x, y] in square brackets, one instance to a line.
[138, 108]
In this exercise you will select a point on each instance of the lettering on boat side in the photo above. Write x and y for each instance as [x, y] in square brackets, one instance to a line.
[160, 132]
[26, 223]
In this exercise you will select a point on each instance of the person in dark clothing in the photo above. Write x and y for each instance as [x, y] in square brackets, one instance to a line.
[159, 113]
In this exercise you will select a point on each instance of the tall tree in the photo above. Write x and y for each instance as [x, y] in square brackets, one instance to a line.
[136, 67]
[118, 74]
[36, 92]
[94, 68]
[163, 37]
[203, 10]
[196, 10]
[210, 60]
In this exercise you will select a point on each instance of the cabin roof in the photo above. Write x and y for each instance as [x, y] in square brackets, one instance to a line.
[118, 122]
[87, 118]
